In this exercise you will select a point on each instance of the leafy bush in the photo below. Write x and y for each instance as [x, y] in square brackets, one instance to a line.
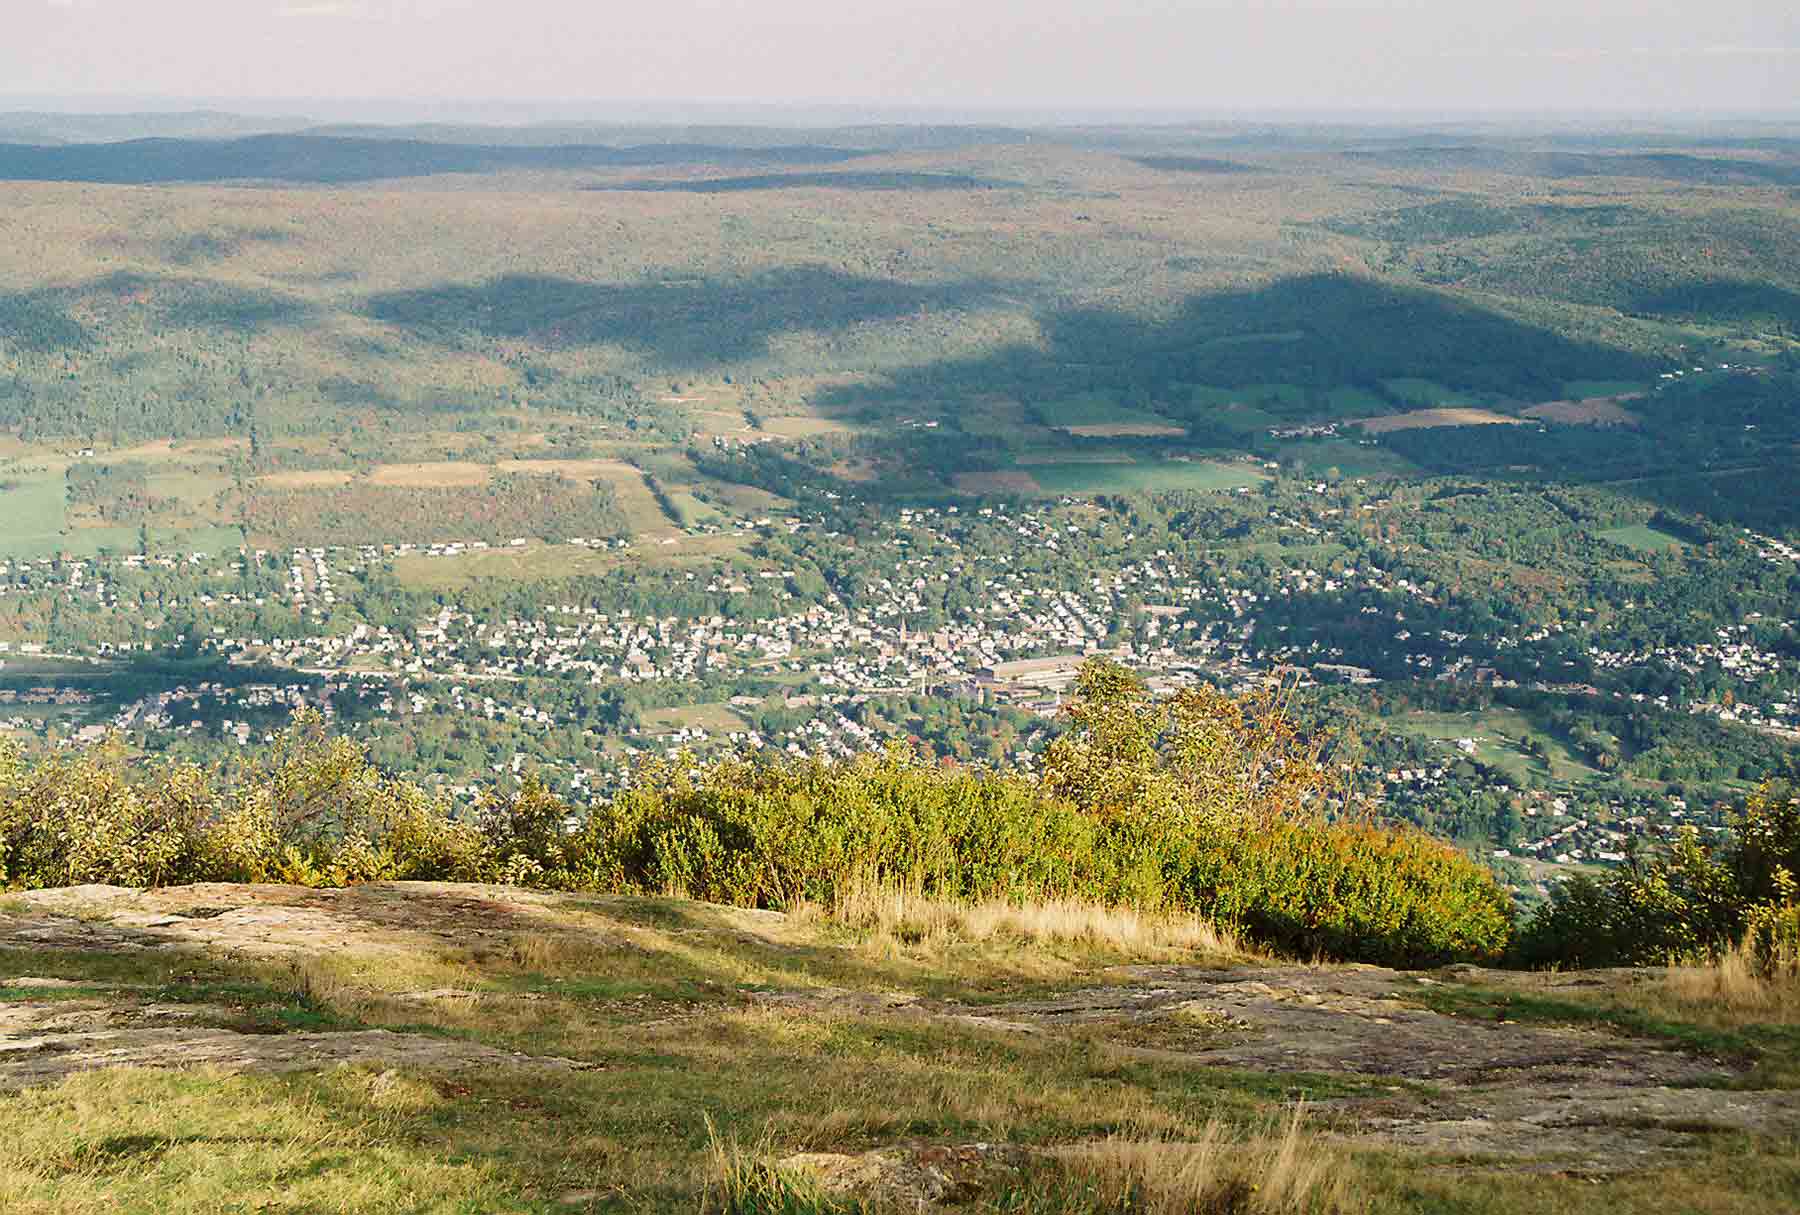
[1694, 901]
[1199, 804]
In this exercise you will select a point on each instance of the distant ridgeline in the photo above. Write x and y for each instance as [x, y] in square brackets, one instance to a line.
[342, 159]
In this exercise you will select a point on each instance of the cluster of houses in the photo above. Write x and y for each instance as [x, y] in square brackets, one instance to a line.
[1180, 620]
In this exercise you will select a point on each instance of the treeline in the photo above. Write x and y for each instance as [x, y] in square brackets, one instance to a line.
[1199, 804]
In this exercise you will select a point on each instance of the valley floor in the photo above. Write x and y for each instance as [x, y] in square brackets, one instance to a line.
[474, 1048]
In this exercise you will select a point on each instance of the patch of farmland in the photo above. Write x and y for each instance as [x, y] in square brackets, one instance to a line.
[1059, 455]
[1127, 430]
[449, 474]
[643, 514]
[1001, 418]
[1022, 483]
[1073, 478]
[692, 510]
[1421, 419]
[1580, 390]
[805, 426]
[1097, 415]
[307, 478]
[1589, 411]
[718, 719]
[538, 562]
[33, 511]
[748, 499]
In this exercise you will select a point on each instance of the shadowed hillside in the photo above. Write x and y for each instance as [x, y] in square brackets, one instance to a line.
[694, 323]
[1311, 333]
[331, 160]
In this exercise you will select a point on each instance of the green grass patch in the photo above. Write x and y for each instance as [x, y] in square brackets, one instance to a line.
[1579, 390]
[693, 512]
[1500, 736]
[1094, 409]
[1351, 458]
[714, 718]
[34, 523]
[1072, 478]
[1722, 1174]
[33, 512]
[1642, 538]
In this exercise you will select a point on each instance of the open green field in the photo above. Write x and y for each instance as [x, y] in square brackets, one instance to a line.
[716, 719]
[1349, 457]
[1499, 736]
[693, 512]
[1641, 538]
[34, 507]
[1097, 414]
[1074, 478]
[1579, 390]
[540, 562]
[35, 520]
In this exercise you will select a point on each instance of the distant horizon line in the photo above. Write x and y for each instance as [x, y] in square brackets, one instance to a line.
[500, 112]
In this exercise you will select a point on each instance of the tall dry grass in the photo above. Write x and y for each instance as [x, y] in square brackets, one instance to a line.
[909, 919]
[1736, 986]
[1283, 1171]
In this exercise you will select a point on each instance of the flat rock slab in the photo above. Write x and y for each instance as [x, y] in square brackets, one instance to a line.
[911, 1175]
[1571, 1099]
[45, 1058]
[392, 918]
[1359, 1020]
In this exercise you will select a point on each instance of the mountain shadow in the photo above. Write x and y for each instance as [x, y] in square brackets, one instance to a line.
[183, 303]
[37, 323]
[1307, 335]
[693, 323]
[338, 161]
[1195, 164]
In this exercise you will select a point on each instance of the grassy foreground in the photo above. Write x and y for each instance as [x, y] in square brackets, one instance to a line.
[711, 1044]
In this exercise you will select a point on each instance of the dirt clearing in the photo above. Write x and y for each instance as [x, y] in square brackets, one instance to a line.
[1424, 419]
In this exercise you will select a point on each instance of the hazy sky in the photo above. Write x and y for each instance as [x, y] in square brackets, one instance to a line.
[1195, 55]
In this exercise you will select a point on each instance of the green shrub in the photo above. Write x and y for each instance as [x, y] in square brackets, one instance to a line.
[1690, 902]
[1200, 803]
